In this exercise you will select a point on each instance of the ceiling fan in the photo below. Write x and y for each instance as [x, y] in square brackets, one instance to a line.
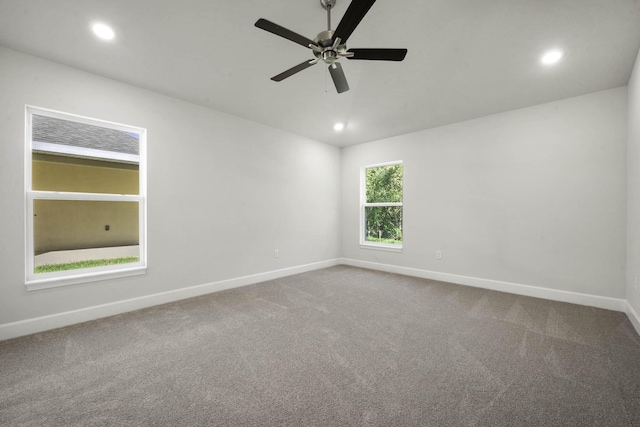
[329, 46]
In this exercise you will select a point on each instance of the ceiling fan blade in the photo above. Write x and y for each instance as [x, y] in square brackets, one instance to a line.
[352, 17]
[283, 32]
[378, 54]
[338, 77]
[291, 71]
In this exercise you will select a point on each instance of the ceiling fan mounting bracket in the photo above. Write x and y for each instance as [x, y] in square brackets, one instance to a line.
[328, 4]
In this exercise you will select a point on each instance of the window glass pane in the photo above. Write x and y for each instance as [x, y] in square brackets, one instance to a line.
[71, 234]
[383, 224]
[384, 184]
[77, 157]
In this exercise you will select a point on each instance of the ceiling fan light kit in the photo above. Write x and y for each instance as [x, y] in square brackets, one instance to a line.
[329, 46]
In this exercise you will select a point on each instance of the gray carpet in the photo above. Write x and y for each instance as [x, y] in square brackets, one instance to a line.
[335, 347]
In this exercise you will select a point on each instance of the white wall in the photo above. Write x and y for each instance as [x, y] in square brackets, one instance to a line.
[223, 192]
[535, 196]
[633, 195]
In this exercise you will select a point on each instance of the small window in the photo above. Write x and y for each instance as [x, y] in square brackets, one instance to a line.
[381, 206]
[85, 194]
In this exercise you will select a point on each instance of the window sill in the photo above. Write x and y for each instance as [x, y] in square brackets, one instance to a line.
[86, 277]
[381, 247]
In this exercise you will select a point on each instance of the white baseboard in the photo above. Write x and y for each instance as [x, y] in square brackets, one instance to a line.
[44, 323]
[616, 304]
[58, 320]
[633, 317]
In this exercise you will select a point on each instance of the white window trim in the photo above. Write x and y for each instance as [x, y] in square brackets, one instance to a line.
[364, 244]
[69, 277]
[84, 153]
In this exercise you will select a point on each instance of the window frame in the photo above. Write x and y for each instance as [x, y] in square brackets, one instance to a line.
[365, 244]
[35, 281]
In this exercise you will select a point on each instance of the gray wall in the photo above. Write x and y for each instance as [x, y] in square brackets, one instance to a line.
[535, 196]
[633, 195]
[223, 192]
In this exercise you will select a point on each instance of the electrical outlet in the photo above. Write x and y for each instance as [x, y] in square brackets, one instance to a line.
[438, 254]
[276, 254]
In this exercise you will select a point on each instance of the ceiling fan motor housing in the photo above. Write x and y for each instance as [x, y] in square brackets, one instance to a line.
[329, 53]
[324, 39]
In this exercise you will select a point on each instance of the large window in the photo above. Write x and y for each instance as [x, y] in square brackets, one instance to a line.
[381, 206]
[85, 199]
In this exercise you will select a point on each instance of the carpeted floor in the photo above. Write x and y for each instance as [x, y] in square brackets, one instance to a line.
[335, 347]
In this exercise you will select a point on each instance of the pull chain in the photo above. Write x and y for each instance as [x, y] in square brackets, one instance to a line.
[326, 86]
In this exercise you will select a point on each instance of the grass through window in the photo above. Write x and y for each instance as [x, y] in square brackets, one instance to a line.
[48, 268]
[383, 240]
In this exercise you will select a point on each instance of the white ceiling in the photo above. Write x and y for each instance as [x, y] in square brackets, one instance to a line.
[467, 58]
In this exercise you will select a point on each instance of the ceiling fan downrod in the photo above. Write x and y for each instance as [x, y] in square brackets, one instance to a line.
[328, 5]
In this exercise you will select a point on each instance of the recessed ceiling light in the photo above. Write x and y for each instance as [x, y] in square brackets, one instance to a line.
[552, 57]
[103, 31]
[338, 127]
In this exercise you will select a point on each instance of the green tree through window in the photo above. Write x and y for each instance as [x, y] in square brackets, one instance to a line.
[382, 208]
